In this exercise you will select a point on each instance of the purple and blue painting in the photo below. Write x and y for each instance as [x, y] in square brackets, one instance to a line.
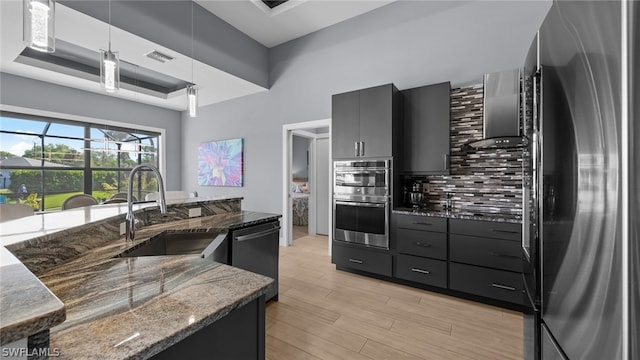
[220, 163]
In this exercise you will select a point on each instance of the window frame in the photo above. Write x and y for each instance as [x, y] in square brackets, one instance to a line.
[87, 123]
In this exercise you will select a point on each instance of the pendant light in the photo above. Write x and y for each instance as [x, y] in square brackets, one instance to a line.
[109, 66]
[38, 25]
[192, 93]
[192, 97]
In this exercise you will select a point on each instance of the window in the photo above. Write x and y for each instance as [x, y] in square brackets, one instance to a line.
[43, 161]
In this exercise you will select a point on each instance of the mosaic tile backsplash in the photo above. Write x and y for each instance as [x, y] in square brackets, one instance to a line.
[481, 181]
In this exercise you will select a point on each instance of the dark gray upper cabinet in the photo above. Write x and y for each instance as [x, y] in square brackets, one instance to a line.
[427, 115]
[366, 123]
[345, 124]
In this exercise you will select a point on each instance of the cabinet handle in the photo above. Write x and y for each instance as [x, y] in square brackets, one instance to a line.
[503, 287]
[356, 261]
[504, 255]
[362, 148]
[421, 223]
[420, 271]
[418, 243]
[504, 231]
[356, 148]
[446, 161]
[258, 234]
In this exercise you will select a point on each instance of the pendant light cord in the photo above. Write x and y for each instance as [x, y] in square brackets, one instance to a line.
[192, 42]
[109, 25]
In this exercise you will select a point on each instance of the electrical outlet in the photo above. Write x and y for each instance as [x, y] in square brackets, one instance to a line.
[195, 212]
[123, 228]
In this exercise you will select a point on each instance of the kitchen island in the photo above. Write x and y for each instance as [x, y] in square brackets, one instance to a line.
[137, 307]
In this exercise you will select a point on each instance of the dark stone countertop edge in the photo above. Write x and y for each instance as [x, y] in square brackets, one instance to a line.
[73, 342]
[260, 218]
[184, 333]
[459, 215]
[47, 313]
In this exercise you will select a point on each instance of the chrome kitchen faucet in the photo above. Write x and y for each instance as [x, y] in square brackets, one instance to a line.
[131, 219]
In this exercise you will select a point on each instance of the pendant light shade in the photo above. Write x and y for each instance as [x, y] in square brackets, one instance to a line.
[109, 71]
[109, 66]
[192, 97]
[192, 93]
[38, 24]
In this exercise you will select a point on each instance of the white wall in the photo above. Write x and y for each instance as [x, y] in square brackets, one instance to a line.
[322, 185]
[409, 43]
[33, 94]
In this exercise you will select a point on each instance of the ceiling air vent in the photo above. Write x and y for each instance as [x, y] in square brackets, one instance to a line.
[83, 63]
[158, 56]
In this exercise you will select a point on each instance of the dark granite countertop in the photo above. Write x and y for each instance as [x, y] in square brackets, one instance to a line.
[119, 308]
[39, 311]
[136, 307]
[213, 224]
[460, 214]
[112, 303]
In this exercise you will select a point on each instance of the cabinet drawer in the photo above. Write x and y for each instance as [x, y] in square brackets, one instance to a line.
[494, 253]
[425, 223]
[421, 270]
[495, 284]
[422, 243]
[362, 259]
[492, 229]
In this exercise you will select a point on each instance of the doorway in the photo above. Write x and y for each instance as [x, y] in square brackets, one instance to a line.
[306, 180]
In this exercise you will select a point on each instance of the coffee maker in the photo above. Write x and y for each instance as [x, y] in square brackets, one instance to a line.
[416, 196]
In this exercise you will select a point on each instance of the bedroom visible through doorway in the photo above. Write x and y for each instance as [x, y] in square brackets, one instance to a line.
[300, 190]
[309, 182]
[307, 172]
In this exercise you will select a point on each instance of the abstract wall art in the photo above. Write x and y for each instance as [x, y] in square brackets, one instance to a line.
[220, 163]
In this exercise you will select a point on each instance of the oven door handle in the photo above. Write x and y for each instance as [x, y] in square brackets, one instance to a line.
[365, 204]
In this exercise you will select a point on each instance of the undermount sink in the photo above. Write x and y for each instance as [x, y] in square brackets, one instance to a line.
[182, 243]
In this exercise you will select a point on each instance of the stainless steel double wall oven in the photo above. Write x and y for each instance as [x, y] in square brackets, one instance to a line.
[361, 202]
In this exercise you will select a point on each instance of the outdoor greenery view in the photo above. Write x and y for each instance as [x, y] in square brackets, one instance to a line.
[56, 162]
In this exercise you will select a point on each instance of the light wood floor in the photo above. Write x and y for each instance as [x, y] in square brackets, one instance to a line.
[323, 313]
[299, 231]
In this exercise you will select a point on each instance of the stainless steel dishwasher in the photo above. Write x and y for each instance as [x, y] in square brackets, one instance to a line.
[255, 248]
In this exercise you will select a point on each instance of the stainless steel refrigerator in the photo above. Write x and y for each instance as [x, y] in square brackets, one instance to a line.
[581, 183]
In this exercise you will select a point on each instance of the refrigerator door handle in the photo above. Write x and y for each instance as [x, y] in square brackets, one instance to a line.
[526, 224]
[532, 302]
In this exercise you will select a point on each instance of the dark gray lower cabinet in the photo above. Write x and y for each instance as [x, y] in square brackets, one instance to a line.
[422, 249]
[487, 229]
[485, 259]
[422, 223]
[422, 243]
[476, 257]
[256, 249]
[422, 270]
[238, 335]
[362, 259]
[494, 253]
[495, 284]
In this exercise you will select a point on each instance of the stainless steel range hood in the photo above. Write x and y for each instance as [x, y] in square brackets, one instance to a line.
[501, 112]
